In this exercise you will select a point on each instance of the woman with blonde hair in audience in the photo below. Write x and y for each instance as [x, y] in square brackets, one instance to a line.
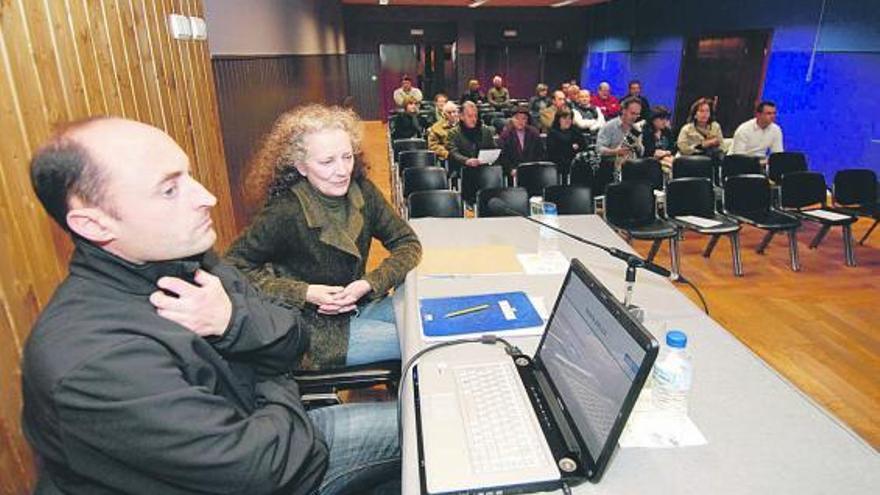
[702, 134]
[408, 124]
[308, 246]
[473, 93]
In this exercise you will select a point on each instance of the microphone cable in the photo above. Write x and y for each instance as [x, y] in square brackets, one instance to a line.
[699, 294]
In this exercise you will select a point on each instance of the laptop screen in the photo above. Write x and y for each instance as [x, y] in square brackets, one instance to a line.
[591, 357]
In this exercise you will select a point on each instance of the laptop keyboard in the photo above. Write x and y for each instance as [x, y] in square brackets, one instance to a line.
[498, 429]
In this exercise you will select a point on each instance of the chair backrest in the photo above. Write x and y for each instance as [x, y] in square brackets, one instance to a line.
[748, 193]
[535, 176]
[802, 189]
[739, 165]
[475, 178]
[570, 200]
[693, 166]
[415, 158]
[423, 179]
[489, 117]
[399, 145]
[785, 162]
[603, 175]
[581, 172]
[643, 169]
[629, 204]
[516, 198]
[436, 203]
[855, 186]
[690, 196]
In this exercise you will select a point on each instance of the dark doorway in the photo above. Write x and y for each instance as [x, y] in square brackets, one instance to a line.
[519, 65]
[727, 68]
[431, 66]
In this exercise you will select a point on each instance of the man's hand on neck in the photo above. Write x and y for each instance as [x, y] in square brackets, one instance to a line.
[203, 307]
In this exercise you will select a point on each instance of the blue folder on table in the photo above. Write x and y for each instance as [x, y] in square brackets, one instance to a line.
[483, 313]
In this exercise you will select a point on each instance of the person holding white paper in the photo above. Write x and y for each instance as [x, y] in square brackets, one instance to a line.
[466, 140]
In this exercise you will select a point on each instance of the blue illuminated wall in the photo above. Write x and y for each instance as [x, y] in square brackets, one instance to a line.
[833, 116]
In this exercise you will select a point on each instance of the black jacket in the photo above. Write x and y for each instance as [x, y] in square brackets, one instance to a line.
[408, 125]
[512, 154]
[666, 142]
[464, 144]
[120, 400]
[562, 146]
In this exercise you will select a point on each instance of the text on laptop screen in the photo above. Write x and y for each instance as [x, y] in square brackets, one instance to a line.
[591, 359]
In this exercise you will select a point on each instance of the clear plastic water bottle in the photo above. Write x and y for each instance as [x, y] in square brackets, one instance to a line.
[549, 239]
[673, 375]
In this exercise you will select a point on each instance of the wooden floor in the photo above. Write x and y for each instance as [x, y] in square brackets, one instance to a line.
[820, 327]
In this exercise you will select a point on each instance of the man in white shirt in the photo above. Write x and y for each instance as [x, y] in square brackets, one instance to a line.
[406, 89]
[760, 135]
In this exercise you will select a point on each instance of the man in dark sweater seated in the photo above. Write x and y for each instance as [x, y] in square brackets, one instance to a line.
[520, 142]
[155, 368]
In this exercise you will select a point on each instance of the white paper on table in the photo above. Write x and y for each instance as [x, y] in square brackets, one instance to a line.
[706, 223]
[826, 215]
[489, 156]
[651, 428]
[543, 263]
[540, 308]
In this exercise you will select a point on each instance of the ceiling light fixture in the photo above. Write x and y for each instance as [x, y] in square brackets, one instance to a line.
[564, 3]
[383, 2]
[477, 3]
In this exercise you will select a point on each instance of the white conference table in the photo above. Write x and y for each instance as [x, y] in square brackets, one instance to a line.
[764, 435]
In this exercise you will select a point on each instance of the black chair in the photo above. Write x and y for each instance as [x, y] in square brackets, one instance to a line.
[535, 176]
[739, 165]
[581, 172]
[855, 191]
[695, 197]
[436, 203]
[643, 169]
[475, 178]
[693, 166]
[415, 158]
[516, 199]
[630, 208]
[783, 162]
[802, 192]
[570, 200]
[321, 388]
[603, 175]
[499, 125]
[400, 145]
[423, 179]
[747, 199]
[488, 118]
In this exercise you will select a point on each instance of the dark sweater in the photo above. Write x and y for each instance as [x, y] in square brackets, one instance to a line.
[466, 143]
[512, 154]
[563, 145]
[293, 243]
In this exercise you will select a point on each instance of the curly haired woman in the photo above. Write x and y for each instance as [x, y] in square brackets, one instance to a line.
[309, 245]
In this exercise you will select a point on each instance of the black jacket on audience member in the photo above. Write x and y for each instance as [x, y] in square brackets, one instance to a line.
[466, 143]
[474, 96]
[408, 125]
[512, 154]
[563, 145]
[666, 141]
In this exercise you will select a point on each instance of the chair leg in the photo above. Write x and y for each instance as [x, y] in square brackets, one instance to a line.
[737, 258]
[711, 246]
[675, 257]
[793, 250]
[871, 229]
[765, 241]
[654, 248]
[819, 236]
[848, 252]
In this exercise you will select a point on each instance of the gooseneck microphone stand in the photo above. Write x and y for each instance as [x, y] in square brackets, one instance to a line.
[632, 261]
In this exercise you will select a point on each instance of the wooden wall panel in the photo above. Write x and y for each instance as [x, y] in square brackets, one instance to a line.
[62, 60]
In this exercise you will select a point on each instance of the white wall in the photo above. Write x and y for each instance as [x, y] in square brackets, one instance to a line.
[274, 27]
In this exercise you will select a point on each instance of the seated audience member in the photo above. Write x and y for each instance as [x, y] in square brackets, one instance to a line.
[405, 90]
[605, 101]
[571, 95]
[519, 142]
[658, 139]
[564, 87]
[438, 134]
[157, 368]
[759, 136]
[468, 138]
[634, 90]
[408, 124]
[564, 142]
[498, 95]
[702, 134]
[540, 101]
[587, 118]
[308, 246]
[440, 100]
[618, 137]
[473, 93]
[548, 114]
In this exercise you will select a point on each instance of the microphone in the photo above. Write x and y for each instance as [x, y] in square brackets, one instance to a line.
[631, 260]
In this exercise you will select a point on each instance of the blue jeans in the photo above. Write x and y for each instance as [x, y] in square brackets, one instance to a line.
[364, 453]
[373, 334]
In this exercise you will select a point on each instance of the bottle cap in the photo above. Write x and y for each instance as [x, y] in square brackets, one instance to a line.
[676, 339]
[549, 208]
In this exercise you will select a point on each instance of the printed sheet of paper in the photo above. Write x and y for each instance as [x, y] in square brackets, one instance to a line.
[489, 156]
[699, 221]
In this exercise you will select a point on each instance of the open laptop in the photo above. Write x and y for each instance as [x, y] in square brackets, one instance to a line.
[517, 424]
